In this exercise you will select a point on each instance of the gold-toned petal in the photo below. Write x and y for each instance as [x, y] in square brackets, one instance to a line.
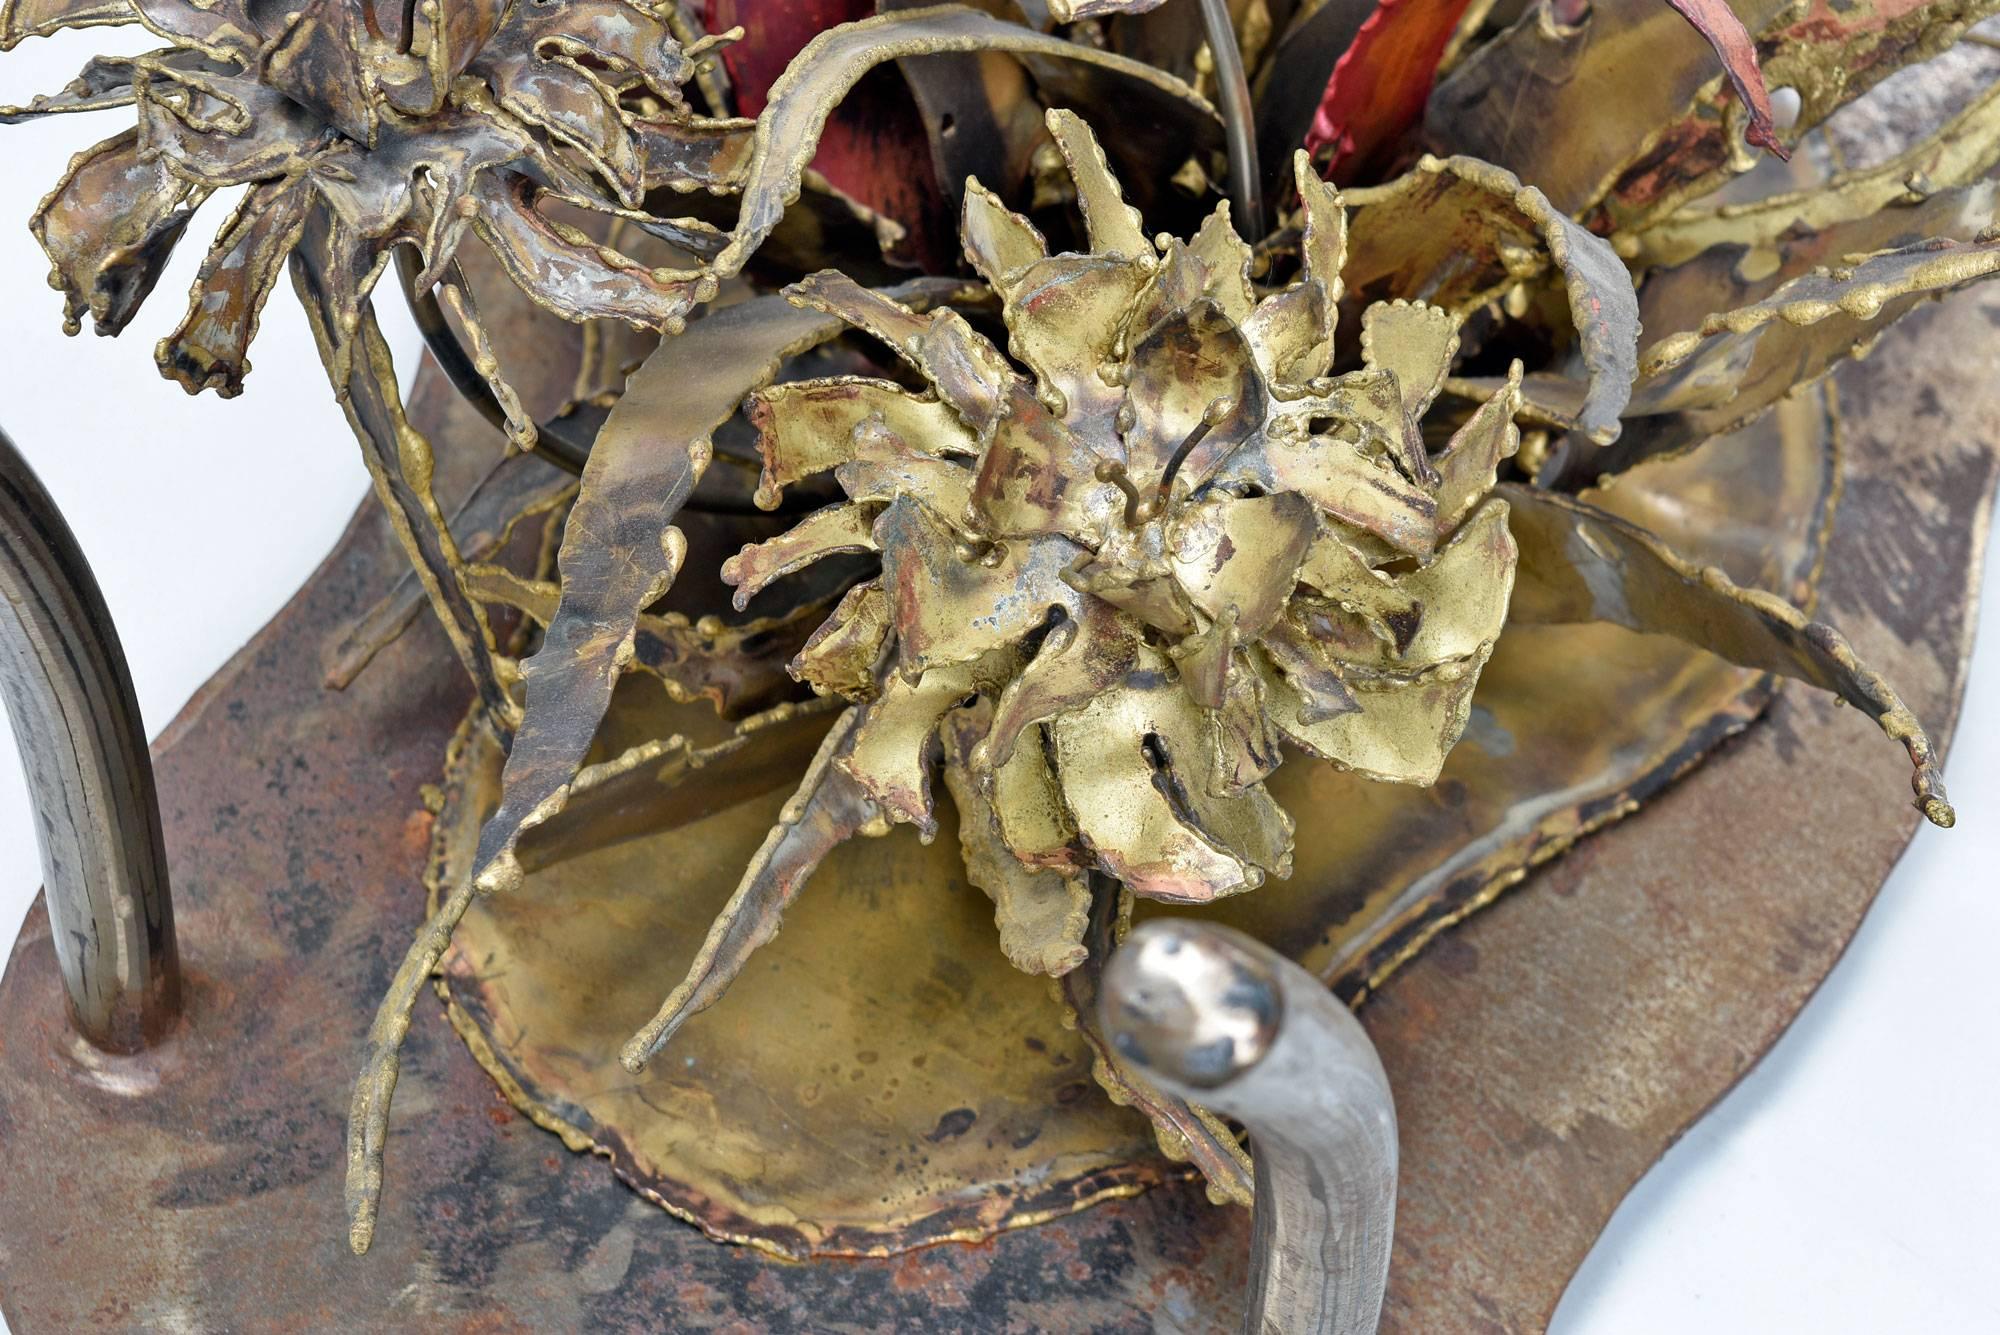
[1457, 232]
[967, 371]
[1064, 315]
[1227, 257]
[1460, 596]
[1400, 734]
[1035, 821]
[1287, 334]
[1248, 748]
[806, 427]
[998, 241]
[894, 742]
[108, 228]
[1239, 557]
[828, 809]
[1579, 563]
[1468, 465]
[569, 274]
[1345, 576]
[952, 605]
[1192, 395]
[1416, 342]
[1318, 689]
[1203, 660]
[1041, 912]
[842, 656]
[1080, 657]
[1137, 770]
[1114, 226]
[105, 83]
[848, 527]
[1356, 487]
[1324, 245]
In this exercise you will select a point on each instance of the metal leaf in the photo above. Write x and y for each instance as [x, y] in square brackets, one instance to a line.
[1042, 913]
[1457, 232]
[828, 809]
[1579, 563]
[832, 63]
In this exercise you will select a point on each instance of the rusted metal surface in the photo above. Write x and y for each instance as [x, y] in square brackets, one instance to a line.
[1543, 1053]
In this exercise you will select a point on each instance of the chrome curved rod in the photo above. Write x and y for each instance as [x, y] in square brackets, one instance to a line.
[76, 722]
[1210, 1015]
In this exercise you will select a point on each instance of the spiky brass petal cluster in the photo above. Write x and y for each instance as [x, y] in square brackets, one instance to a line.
[1170, 546]
[357, 127]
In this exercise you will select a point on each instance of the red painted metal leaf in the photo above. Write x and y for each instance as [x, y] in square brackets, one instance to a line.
[1380, 83]
[1718, 24]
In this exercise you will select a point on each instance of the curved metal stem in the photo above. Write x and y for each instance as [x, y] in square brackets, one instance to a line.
[1210, 1015]
[76, 722]
[1239, 124]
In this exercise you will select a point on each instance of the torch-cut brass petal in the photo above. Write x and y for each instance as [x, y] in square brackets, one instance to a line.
[22, 19]
[848, 527]
[998, 241]
[1398, 734]
[841, 657]
[1114, 227]
[1416, 343]
[1580, 564]
[1288, 334]
[1739, 361]
[1459, 598]
[1193, 371]
[210, 347]
[806, 427]
[1137, 771]
[1470, 462]
[890, 754]
[1079, 658]
[571, 275]
[1041, 912]
[1064, 315]
[1239, 558]
[1361, 489]
[1337, 570]
[1227, 257]
[951, 607]
[1248, 748]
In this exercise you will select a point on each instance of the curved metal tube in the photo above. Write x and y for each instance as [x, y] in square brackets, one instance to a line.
[1239, 122]
[1219, 1020]
[83, 747]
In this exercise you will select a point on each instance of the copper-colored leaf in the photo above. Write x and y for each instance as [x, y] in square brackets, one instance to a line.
[1721, 29]
[1378, 87]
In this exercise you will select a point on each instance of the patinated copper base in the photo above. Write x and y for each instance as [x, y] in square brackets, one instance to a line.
[1543, 1053]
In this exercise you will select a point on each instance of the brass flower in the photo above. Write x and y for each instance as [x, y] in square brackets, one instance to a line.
[357, 127]
[1118, 582]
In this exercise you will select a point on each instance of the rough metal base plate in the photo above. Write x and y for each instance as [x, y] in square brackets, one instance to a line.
[1543, 1054]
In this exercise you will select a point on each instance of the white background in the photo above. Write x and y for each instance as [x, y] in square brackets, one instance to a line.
[1850, 1184]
